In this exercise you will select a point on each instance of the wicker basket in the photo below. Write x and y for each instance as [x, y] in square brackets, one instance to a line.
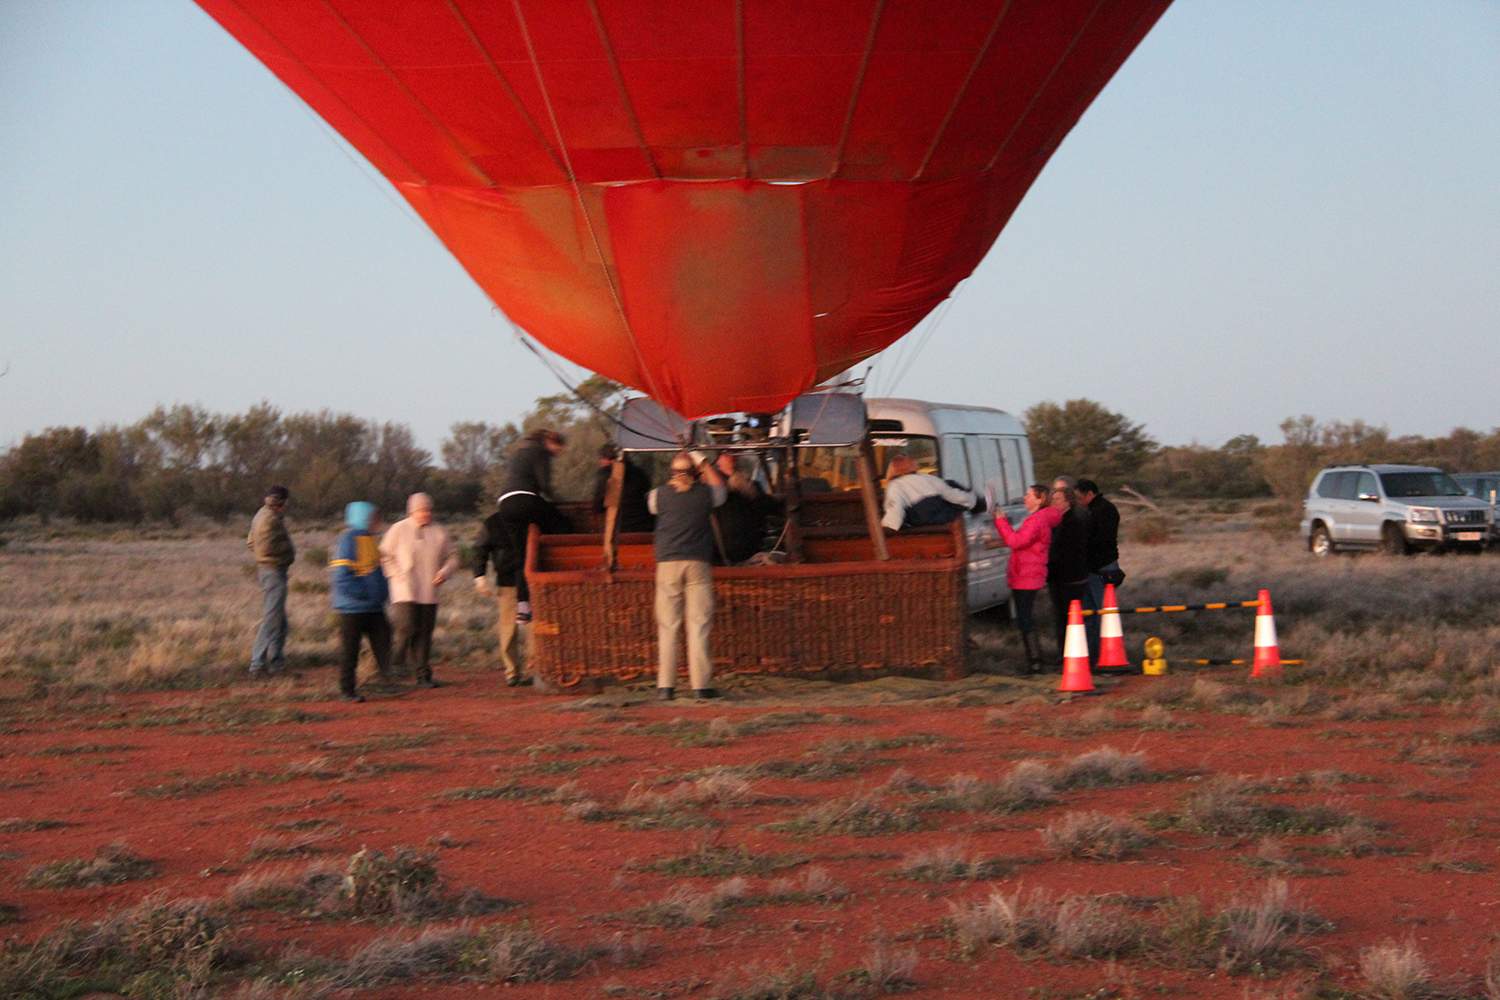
[844, 615]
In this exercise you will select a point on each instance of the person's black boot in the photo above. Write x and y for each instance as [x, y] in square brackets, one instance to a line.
[1033, 646]
[704, 693]
[666, 694]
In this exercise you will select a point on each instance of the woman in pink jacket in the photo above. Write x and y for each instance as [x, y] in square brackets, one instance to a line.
[1027, 572]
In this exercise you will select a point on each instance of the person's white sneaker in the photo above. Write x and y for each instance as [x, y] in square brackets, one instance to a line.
[523, 611]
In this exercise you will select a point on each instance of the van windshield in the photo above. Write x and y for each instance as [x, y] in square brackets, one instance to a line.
[837, 469]
[1420, 484]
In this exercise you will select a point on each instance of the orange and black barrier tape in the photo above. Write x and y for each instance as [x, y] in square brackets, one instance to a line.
[1159, 609]
[1238, 663]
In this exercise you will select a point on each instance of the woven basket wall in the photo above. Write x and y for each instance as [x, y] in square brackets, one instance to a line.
[832, 619]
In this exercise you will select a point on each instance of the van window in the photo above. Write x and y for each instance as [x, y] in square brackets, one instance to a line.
[1015, 470]
[1332, 482]
[955, 461]
[989, 464]
[839, 467]
[1364, 485]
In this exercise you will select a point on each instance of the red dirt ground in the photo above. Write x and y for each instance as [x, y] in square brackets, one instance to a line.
[568, 875]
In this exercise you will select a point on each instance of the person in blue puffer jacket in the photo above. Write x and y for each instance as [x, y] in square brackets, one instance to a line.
[359, 592]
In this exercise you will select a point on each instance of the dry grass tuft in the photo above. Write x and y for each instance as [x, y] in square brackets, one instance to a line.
[157, 948]
[1227, 806]
[404, 885]
[271, 845]
[110, 865]
[687, 906]
[949, 863]
[285, 890]
[1036, 923]
[494, 954]
[1394, 971]
[814, 885]
[884, 971]
[1258, 935]
[1103, 768]
[866, 814]
[18, 824]
[1094, 836]
[718, 862]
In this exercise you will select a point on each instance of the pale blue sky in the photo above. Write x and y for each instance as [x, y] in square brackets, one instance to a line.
[1277, 207]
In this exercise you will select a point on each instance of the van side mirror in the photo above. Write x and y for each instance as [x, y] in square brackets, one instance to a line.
[1369, 498]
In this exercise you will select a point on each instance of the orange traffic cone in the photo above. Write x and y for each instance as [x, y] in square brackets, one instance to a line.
[1075, 674]
[1267, 661]
[1111, 636]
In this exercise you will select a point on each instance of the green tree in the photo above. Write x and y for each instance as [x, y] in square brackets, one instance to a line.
[1082, 438]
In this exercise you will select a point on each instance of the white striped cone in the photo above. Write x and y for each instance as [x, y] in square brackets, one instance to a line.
[1075, 673]
[1267, 660]
[1111, 636]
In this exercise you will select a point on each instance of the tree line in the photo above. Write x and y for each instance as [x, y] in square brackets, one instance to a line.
[184, 459]
[1083, 437]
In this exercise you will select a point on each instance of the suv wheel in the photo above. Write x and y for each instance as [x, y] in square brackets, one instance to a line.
[1320, 542]
[1393, 540]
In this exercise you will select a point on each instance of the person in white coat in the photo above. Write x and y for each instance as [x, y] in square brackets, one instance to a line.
[417, 556]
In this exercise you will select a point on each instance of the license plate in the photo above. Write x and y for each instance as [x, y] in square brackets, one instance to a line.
[1471, 536]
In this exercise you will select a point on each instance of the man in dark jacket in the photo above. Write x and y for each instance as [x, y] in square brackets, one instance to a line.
[1103, 551]
[1067, 559]
[495, 547]
[634, 514]
[359, 592]
[743, 517]
[526, 499]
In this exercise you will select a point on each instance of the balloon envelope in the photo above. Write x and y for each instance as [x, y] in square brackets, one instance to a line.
[719, 202]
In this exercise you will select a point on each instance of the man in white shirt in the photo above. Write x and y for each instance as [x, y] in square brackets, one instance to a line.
[915, 499]
[417, 556]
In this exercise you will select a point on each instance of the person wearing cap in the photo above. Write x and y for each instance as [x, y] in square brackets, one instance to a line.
[359, 590]
[634, 515]
[271, 544]
[684, 547]
[526, 499]
[915, 499]
[494, 547]
[417, 556]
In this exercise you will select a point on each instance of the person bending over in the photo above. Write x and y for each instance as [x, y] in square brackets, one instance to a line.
[915, 499]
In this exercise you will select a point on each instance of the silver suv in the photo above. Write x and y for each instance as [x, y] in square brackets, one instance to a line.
[1391, 507]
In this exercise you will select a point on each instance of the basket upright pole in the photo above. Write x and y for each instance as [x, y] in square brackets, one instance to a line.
[612, 493]
[871, 501]
[793, 487]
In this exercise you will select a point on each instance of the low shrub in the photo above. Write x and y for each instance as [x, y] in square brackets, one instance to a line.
[109, 866]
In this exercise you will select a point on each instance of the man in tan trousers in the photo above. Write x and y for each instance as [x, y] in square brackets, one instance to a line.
[417, 556]
[684, 570]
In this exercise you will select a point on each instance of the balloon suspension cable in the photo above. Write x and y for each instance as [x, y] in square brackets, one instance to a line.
[588, 219]
[600, 411]
[906, 355]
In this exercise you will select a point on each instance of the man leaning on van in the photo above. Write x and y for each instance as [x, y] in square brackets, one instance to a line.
[917, 500]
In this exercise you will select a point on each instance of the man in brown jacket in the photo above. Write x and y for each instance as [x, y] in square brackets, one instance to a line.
[271, 544]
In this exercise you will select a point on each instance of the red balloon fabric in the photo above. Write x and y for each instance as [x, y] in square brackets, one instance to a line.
[718, 202]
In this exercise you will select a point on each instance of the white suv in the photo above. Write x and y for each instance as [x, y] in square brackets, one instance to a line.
[1391, 507]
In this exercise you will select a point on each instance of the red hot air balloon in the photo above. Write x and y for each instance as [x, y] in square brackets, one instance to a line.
[719, 202]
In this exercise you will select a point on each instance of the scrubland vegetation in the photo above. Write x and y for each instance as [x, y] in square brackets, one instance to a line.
[170, 830]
